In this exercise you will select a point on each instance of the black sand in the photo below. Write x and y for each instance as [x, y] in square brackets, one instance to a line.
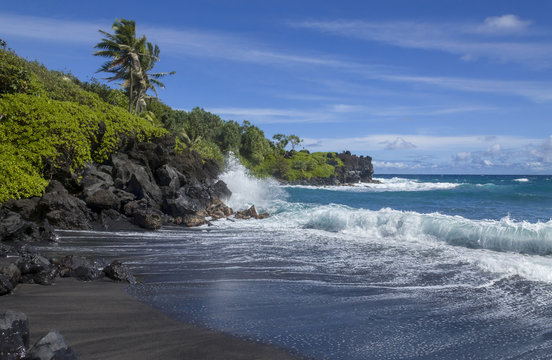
[101, 321]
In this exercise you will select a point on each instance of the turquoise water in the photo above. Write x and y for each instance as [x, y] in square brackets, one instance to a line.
[526, 198]
[419, 267]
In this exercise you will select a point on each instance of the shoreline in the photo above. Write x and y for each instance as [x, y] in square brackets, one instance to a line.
[100, 320]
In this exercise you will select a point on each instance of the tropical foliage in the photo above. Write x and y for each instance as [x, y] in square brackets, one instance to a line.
[131, 60]
[48, 122]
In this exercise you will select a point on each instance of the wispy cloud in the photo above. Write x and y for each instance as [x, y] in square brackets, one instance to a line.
[51, 29]
[467, 40]
[238, 48]
[337, 113]
[533, 90]
[187, 42]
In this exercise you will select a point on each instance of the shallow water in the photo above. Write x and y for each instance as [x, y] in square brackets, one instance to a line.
[419, 267]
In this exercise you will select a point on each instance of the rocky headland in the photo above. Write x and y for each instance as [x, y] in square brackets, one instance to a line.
[355, 169]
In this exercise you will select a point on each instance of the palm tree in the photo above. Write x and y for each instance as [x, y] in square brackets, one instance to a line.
[125, 51]
[148, 80]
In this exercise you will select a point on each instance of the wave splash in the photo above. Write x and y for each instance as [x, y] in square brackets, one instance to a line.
[248, 190]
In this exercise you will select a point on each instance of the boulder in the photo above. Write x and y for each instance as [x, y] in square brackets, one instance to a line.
[219, 210]
[79, 268]
[119, 272]
[36, 269]
[247, 214]
[14, 227]
[103, 199]
[63, 210]
[147, 219]
[193, 220]
[168, 176]
[93, 180]
[198, 192]
[24, 207]
[220, 191]
[14, 335]
[133, 206]
[12, 272]
[6, 285]
[124, 196]
[134, 178]
[250, 213]
[51, 347]
[182, 205]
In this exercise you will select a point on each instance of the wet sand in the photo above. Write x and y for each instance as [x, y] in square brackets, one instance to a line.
[100, 320]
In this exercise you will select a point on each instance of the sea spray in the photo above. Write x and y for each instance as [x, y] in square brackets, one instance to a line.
[248, 190]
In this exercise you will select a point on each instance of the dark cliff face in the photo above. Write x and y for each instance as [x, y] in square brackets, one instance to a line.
[145, 184]
[355, 169]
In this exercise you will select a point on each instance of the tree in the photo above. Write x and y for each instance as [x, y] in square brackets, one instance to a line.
[254, 144]
[148, 80]
[124, 49]
[230, 136]
[280, 141]
[294, 140]
[131, 60]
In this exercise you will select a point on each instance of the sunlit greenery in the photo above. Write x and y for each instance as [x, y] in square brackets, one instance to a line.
[48, 121]
[51, 120]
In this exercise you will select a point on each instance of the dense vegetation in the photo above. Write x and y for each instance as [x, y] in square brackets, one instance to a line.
[51, 120]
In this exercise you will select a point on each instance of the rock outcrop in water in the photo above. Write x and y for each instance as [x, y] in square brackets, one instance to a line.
[355, 169]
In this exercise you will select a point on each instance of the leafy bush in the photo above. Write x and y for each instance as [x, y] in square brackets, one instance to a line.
[209, 150]
[300, 165]
[37, 131]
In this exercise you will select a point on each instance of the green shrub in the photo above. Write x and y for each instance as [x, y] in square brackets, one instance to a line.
[37, 131]
[19, 177]
[209, 150]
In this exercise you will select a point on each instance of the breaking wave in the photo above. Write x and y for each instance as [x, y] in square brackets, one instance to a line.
[393, 184]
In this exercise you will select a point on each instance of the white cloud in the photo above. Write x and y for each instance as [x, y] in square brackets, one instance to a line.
[389, 164]
[534, 155]
[505, 23]
[398, 143]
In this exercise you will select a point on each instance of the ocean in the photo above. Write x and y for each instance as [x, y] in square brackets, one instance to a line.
[418, 267]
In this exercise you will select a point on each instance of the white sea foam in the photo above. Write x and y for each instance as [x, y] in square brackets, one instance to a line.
[522, 180]
[503, 246]
[393, 184]
[248, 190]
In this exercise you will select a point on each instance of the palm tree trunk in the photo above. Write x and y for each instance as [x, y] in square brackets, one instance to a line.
[130, 94]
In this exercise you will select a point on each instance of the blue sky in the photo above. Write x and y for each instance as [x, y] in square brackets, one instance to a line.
[421, 86]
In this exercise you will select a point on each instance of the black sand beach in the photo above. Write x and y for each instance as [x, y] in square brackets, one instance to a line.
[100, 320]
